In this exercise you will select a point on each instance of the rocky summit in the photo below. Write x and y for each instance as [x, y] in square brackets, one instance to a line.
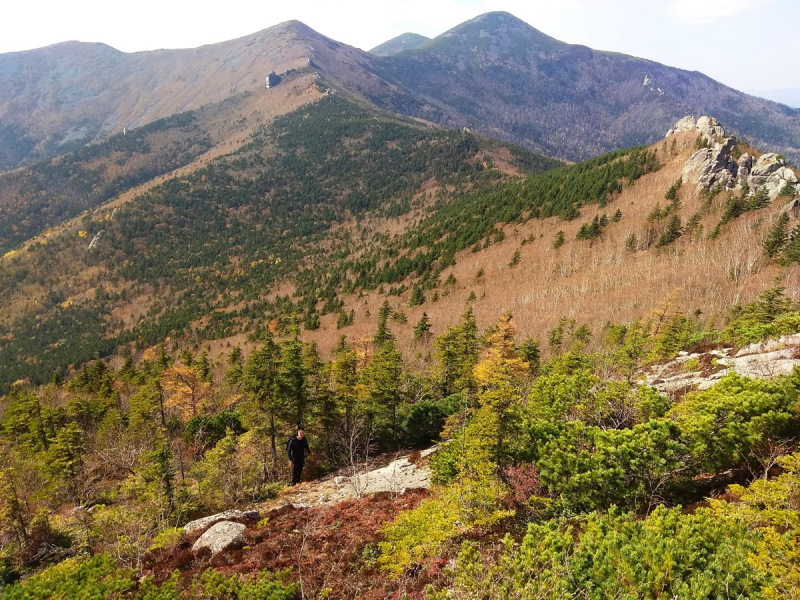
[715, 164]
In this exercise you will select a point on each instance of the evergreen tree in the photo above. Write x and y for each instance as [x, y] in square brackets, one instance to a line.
[292, 379]
[671, 233]
[344, 378]
[423, 327]
[778, 236]
[380, 391]
[457, 353]
[260, 383]
[203, 367]
[417, 296]
[383, 334]
[532, 355]
[515, 259]
[233, 375]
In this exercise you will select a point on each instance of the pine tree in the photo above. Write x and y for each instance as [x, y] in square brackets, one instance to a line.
[423, 327]
[617, 216]
[417, 296]
[383, 334]
[515, 259]
[559, 240]
[457, 353]
[235, 366]
[671, 233]
[380, 390]
[203, 367]
[259, 381]
[291, 379]
[791, 252]
[778, 236]
[532, 354]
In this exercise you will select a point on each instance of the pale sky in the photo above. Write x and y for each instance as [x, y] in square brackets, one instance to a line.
[747, 44]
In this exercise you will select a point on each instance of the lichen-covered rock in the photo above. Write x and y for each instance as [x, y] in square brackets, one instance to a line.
[223, 535]
[202, 524]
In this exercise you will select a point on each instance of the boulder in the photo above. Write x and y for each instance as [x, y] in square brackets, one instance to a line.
[711, 166]
[710, 128]
[96, 240]
[223, 535]
[792, 209]
[745, 164]
[206, 522]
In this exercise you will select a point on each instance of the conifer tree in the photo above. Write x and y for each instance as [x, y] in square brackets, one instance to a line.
[671, 233]
[423, 327]
[417, 296]
[381, 396]
[292, 378]
[383, 334]
[203, 367]
[260, 382]
[778, 236]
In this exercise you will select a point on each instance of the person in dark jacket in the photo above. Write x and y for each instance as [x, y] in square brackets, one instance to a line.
[297, 450]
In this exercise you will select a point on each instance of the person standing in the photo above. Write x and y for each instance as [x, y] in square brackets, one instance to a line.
[297, 450]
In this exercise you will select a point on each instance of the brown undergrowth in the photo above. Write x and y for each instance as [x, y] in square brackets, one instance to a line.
[331, 551]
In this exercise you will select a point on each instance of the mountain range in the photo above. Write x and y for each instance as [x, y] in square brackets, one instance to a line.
[493, 74]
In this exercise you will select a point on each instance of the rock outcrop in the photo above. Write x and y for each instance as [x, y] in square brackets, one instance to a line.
[223, 535]
[702, 370]
[715, 164]
[96, 240]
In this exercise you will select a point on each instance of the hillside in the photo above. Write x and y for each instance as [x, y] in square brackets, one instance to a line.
[335, 209]
[500, 76]
[214, 251]
[50, 193]
[494, 74]
[401, 43]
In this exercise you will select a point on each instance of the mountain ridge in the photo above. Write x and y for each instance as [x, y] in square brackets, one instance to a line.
[494, 74]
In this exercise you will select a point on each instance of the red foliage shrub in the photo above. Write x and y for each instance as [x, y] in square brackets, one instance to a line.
[330, 548]
[524, 483]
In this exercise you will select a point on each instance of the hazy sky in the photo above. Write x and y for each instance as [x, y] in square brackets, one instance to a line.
[747, 44]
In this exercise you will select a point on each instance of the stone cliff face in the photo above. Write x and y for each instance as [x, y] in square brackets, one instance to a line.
[716, 166]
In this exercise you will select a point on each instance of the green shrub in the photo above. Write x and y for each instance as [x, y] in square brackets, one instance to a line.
[666, 555]
[98, 577]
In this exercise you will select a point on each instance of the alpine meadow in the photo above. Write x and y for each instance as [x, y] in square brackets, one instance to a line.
[483, 315]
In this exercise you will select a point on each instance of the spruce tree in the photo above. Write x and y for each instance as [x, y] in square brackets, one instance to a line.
[417, 296]
[383, 334]
[423, 327]
[671, 233]
[778, 236]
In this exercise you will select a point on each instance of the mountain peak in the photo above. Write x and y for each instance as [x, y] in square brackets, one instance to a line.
[404, 41]
[499, 29]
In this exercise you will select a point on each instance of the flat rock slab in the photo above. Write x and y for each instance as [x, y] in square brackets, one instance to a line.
[206, 522]
[221, 536]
